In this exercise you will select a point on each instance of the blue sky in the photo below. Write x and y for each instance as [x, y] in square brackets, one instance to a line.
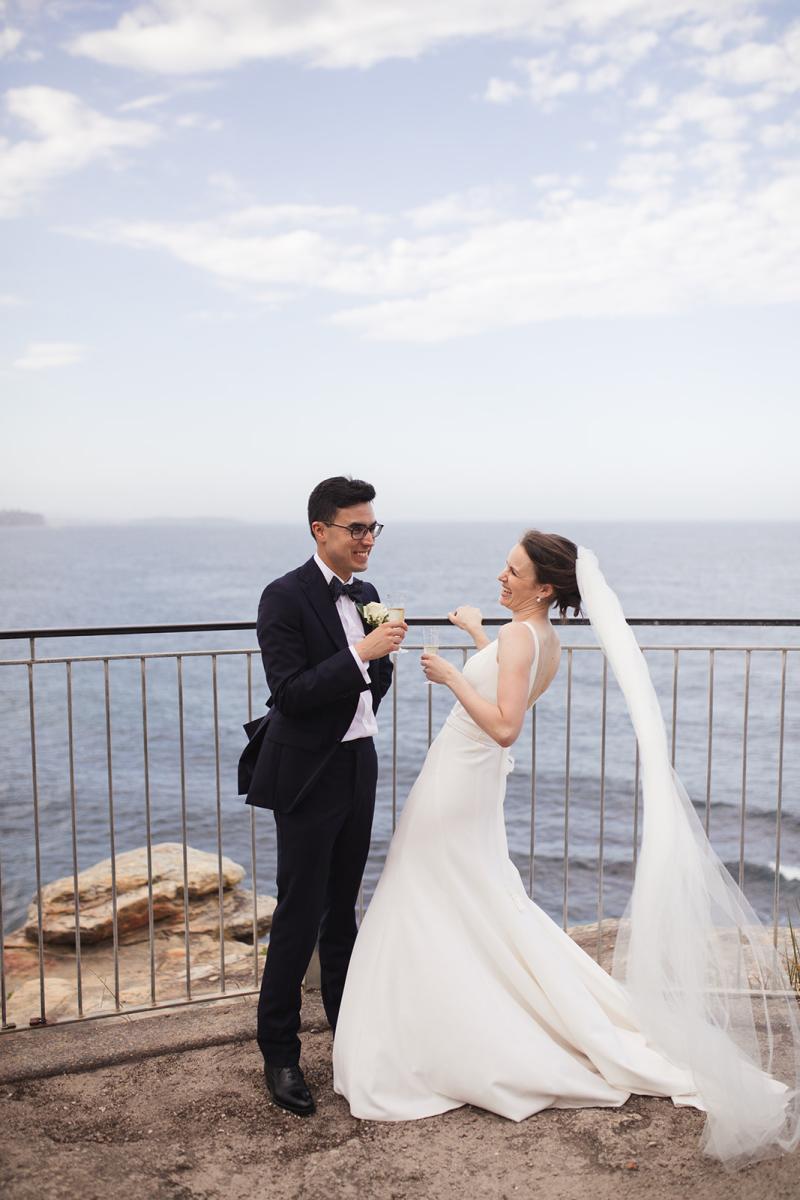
[526, 260]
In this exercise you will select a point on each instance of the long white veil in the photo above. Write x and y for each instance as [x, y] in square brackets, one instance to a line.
[708, 987]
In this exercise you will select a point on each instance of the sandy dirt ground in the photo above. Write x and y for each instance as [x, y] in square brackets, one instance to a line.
[173, 1107]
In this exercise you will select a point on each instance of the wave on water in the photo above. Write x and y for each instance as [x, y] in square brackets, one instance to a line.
[789, 872]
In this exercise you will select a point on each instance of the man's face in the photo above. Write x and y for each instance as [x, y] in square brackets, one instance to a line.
[343, 553]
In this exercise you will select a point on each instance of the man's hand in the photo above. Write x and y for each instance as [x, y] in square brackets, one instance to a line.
[381, 641]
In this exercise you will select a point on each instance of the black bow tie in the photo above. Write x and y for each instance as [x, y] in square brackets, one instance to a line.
[354, 590]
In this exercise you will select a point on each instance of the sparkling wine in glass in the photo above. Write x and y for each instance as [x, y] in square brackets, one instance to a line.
[430, 639]
[397, 612]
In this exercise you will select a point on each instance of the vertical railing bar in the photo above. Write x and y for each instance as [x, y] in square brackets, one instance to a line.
[220, 884]
[567, 768]
[37, 843]
[252, 808]
[148, 834]
[73, 808]
[533, 802]
[675, 654]
[747, 655]
[601, 834]
[395, 682]
[111, 829]
[710, 737]
[184, 829]
[779, 802]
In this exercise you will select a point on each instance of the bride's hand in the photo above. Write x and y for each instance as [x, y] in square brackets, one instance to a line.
[437, 669]
[466, 617]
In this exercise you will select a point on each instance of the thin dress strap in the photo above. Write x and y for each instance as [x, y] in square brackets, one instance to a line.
[535, 664]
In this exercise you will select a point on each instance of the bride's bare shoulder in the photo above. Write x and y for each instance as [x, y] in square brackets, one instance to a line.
[515, 639]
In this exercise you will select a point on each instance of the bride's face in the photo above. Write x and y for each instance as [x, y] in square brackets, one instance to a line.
[518, 580]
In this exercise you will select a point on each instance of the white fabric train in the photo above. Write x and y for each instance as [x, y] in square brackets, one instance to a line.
[704, 980]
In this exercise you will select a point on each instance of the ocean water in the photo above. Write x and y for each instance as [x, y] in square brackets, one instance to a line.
[99, 575]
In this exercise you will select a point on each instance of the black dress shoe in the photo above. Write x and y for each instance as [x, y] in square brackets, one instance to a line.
[288, 1089]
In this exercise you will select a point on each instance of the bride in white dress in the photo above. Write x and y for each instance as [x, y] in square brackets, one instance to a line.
[461, 990]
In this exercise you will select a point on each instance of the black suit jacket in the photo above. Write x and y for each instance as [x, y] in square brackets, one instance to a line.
[314, 683]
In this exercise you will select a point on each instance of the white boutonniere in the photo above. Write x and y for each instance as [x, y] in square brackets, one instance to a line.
[373, 614]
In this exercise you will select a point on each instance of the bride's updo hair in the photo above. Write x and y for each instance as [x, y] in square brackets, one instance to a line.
[554, 559]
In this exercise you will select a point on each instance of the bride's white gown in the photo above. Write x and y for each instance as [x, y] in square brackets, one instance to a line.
[460, 989]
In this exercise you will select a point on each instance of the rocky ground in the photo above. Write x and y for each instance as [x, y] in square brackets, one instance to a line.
[140, 973]
[173, 1107]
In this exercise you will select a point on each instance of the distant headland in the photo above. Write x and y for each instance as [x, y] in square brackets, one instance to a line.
[17, 516]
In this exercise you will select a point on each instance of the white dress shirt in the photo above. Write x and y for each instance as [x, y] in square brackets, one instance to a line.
[363, 723]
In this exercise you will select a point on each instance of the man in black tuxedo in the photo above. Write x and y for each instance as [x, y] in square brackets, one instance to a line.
[312, 761]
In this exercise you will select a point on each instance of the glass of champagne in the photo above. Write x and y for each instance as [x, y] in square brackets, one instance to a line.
[430, 639]
[397, 612]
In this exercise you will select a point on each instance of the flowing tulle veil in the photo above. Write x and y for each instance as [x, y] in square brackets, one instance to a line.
[707, 985]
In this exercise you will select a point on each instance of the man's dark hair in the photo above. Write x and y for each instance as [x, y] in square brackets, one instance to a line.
[340, 491]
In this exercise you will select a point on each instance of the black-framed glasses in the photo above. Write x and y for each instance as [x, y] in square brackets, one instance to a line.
[359, 532]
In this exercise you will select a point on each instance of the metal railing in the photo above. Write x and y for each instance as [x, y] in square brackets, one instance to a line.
[39, 675]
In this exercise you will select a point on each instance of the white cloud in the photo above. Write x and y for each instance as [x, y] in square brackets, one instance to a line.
[547, 81]
[570, 255]
[603, 65]
[68, 135]
[8, 300]
[647, 173]
[187, 36]
[502, 91]
[231, 189]
[150, 101]
[711, 35]
[199, 121]
[648, 97]
[775, 65]
[9, 40]
[718, 116]
[624, 50]
[267, 216]
[780, 134]
[607, 76]
[600, 259]
[459, 208]
[41, 356]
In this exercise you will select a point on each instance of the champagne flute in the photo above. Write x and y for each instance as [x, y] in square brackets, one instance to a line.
[397, 612]
[430, 639]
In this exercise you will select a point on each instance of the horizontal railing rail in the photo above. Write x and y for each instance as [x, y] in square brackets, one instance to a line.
[24, 635]
[123, 725]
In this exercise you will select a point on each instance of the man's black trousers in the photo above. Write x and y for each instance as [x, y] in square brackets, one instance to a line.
[322, 850]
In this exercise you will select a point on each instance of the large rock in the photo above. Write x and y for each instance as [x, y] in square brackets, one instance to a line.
[95, 899]
[243, 962]
[237, 913]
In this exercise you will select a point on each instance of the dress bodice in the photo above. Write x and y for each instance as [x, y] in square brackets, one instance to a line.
[481, 671]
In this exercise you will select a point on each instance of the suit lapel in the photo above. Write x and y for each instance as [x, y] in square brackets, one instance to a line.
[313, 583]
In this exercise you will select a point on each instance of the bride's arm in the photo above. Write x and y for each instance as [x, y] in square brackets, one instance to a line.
[470, 619]
[503, 720]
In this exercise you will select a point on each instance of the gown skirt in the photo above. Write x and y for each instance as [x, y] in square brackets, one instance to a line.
[460, 989]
